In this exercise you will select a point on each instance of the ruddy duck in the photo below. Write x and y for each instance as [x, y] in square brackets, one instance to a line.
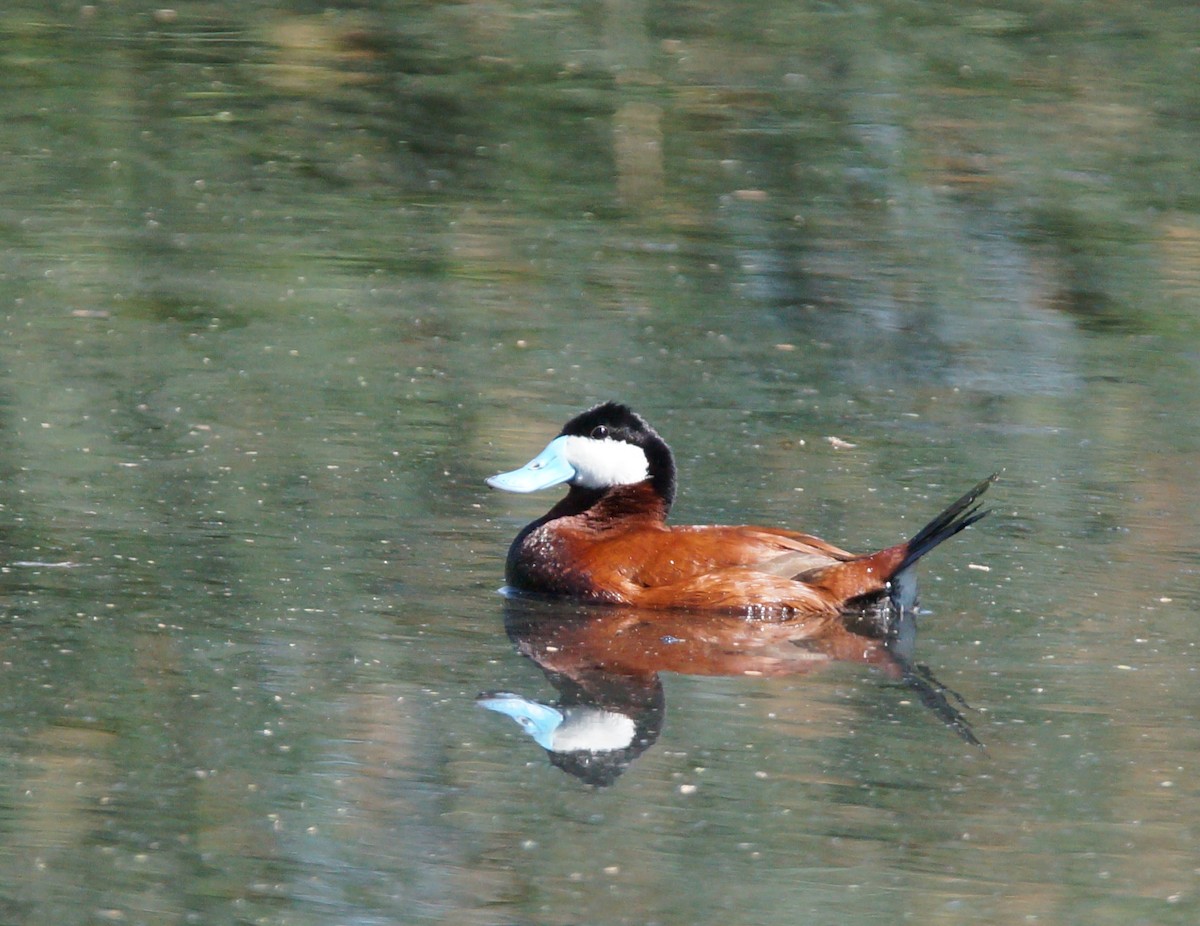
[607, 540]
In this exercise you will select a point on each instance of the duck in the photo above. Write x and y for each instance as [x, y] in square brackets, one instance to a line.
[607, 541]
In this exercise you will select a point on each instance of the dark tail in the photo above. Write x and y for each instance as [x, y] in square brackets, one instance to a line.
[902, 581]
[962, 514]
[860, 582]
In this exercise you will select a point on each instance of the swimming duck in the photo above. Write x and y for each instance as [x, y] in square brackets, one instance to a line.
[607, 540]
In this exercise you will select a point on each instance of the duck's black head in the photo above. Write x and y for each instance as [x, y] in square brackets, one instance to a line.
[607, 446]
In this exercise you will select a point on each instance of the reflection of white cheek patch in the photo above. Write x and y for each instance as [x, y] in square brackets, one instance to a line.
[600, 464]
[589, 729]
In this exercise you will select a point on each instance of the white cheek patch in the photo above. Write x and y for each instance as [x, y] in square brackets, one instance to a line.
[601, 464]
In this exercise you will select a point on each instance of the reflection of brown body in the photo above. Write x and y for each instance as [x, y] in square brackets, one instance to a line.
[632, 642]
[606, 662]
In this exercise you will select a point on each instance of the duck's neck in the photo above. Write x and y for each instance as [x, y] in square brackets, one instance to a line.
[609, 507]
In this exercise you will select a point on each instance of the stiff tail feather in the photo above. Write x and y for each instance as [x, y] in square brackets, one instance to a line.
[863, 583]
[961, 514]
[902, 581]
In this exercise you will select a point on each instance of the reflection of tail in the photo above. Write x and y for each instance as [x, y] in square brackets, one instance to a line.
[900, 642]
[862, 582]
[937, 697]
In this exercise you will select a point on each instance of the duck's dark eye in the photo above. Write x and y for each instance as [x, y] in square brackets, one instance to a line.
[600, 431]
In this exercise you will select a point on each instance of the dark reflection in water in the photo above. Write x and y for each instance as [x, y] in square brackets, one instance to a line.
[606, 664]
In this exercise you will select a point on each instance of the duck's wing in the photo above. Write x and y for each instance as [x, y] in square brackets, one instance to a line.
[789, 553]
[727, 568]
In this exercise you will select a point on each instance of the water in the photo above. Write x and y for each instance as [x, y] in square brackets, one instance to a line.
[279, 290]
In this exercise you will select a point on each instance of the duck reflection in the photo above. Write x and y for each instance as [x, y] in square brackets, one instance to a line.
[606, 663]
